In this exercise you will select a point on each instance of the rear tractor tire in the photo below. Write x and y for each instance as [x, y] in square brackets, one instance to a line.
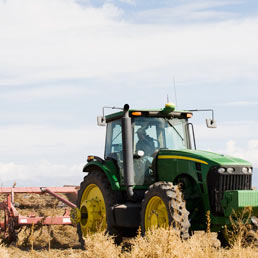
[95, 199]
[163, 206]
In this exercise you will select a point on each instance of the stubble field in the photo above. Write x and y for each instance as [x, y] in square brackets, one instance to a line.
[62, 241]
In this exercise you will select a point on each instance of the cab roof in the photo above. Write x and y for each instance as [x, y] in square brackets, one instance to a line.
[149, 113]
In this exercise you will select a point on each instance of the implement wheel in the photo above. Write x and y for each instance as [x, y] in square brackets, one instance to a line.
[95, 199]
[163, 206]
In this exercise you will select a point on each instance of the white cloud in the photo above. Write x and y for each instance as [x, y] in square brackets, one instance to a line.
[42, 173]
[47, 40]
[46, 92]
[248, 152]
[188, 11]
[239, 139]
[69, 145]
[240, 103]
[112, 11]
[12, 171]
[240, 130]
[131, 2]
[45, 155]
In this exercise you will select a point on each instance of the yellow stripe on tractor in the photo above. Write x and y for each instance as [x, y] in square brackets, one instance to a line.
[182, 157]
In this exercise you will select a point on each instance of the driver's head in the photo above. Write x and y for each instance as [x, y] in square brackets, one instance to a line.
[141, 133]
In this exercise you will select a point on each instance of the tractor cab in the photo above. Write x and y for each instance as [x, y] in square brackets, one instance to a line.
[150, 132]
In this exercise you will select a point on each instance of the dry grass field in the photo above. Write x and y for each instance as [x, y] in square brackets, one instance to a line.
[62, 241]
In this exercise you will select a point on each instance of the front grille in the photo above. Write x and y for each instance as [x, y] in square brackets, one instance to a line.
[218, 183]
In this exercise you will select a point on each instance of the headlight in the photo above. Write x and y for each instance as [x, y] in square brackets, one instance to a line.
[245, 170]
[250, 170]
[221, 170]
[230, 170]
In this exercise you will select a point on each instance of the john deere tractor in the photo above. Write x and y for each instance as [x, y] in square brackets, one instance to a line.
[153, 176]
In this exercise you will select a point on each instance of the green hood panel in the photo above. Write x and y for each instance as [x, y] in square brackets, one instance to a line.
[205, 157]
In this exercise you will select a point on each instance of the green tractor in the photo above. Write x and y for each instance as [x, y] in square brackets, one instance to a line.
[153, 176]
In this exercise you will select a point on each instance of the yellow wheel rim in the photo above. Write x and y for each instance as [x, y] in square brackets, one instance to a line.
[156, 213]
[93, 210]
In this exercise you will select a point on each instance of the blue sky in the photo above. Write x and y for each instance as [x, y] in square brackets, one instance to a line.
[62, 60]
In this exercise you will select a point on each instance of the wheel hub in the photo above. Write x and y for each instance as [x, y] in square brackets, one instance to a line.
[156, 213]
[157, 218]
[90, 213]
[92, 210]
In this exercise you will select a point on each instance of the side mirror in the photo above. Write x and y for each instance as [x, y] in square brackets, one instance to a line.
[211, 123]
[101, 121]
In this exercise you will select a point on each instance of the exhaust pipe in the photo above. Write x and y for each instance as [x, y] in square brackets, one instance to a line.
[128, 152]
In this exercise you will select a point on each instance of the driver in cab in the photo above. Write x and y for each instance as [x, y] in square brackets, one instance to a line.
[145, 143]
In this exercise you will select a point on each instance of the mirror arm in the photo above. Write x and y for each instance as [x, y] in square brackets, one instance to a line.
[101, 120]
[205, 110]
[103, 109]
[211, 121]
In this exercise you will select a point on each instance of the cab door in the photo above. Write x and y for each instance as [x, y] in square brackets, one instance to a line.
[143, 164]
[114, 146]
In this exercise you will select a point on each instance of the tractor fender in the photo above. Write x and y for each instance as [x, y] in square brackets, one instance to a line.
[101, 167]
[199, 180]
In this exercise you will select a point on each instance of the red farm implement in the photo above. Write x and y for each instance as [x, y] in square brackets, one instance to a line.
[13, 221]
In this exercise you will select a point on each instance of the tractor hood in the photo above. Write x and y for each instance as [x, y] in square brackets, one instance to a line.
[205, 157]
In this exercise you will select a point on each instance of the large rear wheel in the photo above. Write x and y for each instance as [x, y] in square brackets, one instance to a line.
[95, 199]
[163, 206]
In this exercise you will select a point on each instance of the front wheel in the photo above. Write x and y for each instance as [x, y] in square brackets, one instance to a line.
[163, 206]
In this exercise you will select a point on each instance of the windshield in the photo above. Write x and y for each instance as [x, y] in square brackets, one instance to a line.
[163, 132]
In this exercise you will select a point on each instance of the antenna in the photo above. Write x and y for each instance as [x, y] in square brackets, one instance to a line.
[167, 99]
[174, 82]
